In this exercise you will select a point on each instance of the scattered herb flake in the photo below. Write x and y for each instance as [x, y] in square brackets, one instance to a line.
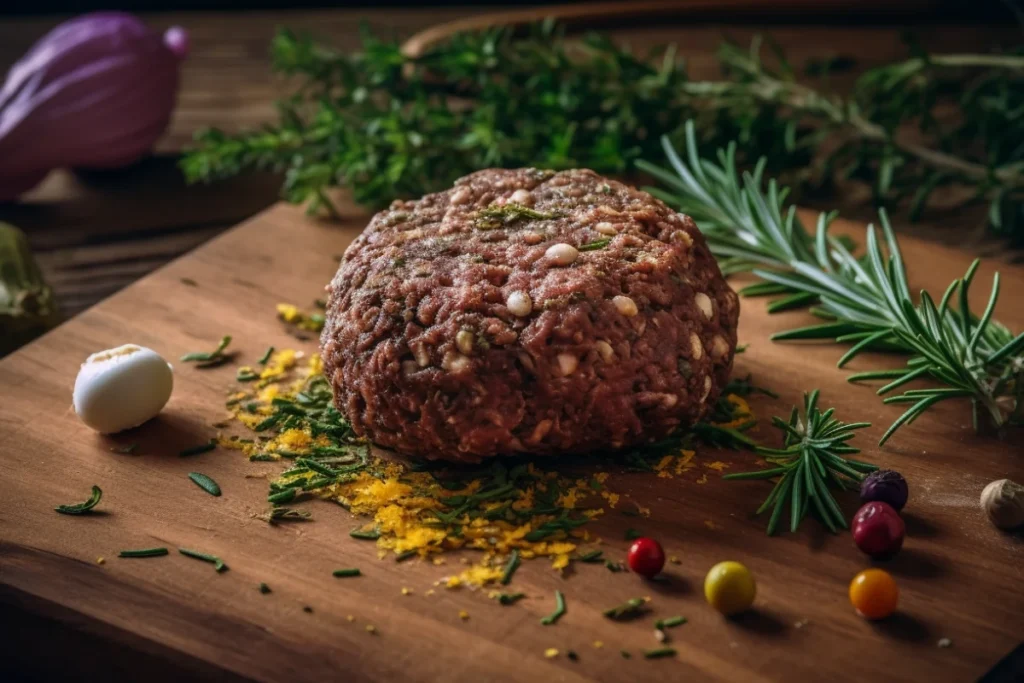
[595, 245]
[633, 534]
[657, 653]
[559, 610]
[196, 450]
[509, 598]
[264, 588]
[218, 564]
[246, 374]
[81, 508]
[497, 216]
[209, 358]
[266, 355]
[511, 567]
[346, 573]
[613, 566]
[363, 534]
[205, 483]
[627, 610]
[144, 552]
[592, 557]
[670, 622]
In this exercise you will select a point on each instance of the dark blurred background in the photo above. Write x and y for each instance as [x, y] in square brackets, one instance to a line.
[947, 10]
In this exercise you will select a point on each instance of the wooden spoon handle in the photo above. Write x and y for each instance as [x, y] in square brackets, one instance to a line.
[584, 15]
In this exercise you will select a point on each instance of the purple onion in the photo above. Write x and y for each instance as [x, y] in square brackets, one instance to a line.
[95, 92]
[886, 486]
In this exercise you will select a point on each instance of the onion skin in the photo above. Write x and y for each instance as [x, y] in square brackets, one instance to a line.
[95, 92]
[886, 486]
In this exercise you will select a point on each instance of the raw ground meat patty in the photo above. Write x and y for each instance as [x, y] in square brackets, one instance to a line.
[525, 311]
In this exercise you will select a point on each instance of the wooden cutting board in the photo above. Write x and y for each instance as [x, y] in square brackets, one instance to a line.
[172, 618]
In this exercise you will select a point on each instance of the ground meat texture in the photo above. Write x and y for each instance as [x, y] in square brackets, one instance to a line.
[525, 311]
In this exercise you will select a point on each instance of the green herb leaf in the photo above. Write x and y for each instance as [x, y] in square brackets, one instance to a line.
[81, 508]
[264, 588]
[205, 483]
[633, 534]
[346, 573]
[559, 610]
[657, 653]
[509, 598]
[510, 567]
[214, 357]
[144, 552]
[627, 610]
[266, 355]
[196, 450]
[365, 534]
[218, 564]
[595, 245]
[670, 622]
[593, 556]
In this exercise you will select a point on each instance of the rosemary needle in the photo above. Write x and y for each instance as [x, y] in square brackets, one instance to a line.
[559, 610]
[346, 573]
[80, 508]
[144, 552]
[205, 483]
[659, 652]
[216, 356]
[266, 355]
[511, 567]
[218, 564]
[196, 450]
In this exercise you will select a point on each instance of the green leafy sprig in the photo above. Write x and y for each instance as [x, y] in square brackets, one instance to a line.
[864, 301]
[811, 459]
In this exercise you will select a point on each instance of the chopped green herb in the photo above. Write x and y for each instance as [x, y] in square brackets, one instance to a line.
[266, 355]
[662, 624]
[126, 450]
[80, 508]
[509, 598]
[497, 216]
[282, 514]
[196, 450]
[262, 457]
[625, 654]
[559, 610]
[592, 557]
[307, 609]
[659, 652]
[281, 497]
[144, 552]
[246, 375]
[189, 281]
[595, 245]
[571, 654]
[511, 567]
[209, 358]
[264, 588]
[632, 534]
[613, 566]
[218, 564]
[346, 573]
[742, 348]
[627, 610]
[408, 554]
[365, 534]
[205, 483]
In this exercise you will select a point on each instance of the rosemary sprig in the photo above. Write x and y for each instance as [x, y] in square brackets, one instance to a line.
[559, 610]
[205, 483]
[81, 508]
[811, 459]
[864, 301]
[218, 564]
[209, 358]
[144, 552]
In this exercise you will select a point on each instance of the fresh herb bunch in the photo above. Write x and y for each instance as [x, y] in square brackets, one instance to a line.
[389, 126]
[812, 458]
[865, 301]
[934, 122]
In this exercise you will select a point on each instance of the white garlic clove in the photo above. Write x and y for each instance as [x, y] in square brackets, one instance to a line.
[1003, 500]
[121, 388]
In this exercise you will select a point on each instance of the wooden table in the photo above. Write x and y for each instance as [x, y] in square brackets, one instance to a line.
[96, 233]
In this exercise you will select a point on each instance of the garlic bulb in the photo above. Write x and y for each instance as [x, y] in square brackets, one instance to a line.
[121, 388]
[1003, 500]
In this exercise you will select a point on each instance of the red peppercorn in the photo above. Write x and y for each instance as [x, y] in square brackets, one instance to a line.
[646, 557]
[878, 530]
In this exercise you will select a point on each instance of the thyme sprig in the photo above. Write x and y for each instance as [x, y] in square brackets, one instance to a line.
[813, 457]
[387, 125]
[864, 301]
[210, 358]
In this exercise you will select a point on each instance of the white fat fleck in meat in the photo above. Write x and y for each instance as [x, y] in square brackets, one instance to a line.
[604, 349]
[606, 228]
[567, 364]
[464, 342]
[522, 197]
[519, 304]
[719, 347]
[707, 389]
[461, 196]
[625, 305]
[562, 254]
[696, 347]
[703, 302]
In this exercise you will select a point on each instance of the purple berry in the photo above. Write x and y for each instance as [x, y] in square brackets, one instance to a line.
[886, 486]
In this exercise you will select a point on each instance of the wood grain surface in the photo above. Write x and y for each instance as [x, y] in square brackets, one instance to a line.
[176, 619]
[94, 233]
